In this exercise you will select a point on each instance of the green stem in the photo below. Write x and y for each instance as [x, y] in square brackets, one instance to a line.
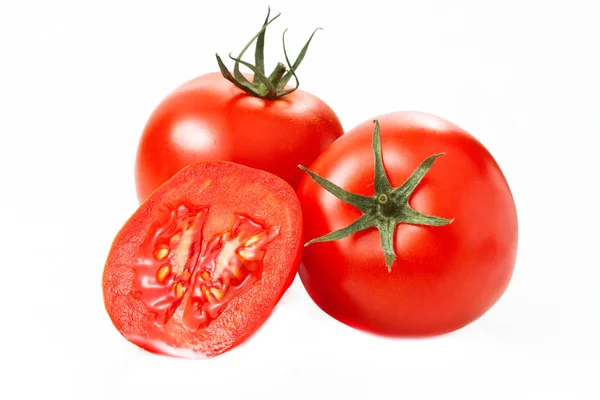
[275, 78]
[273, 86]
[386, 205]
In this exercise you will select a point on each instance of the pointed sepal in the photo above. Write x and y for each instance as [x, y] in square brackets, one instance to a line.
[404, 191]
[360, 224]
[382, 183]
[387, 228]
[363, 203]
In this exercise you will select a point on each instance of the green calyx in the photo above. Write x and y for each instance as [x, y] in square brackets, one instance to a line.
[387, 208]
[265, 87]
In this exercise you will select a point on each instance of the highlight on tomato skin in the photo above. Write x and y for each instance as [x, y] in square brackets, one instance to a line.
[399, 246]
[203, 262]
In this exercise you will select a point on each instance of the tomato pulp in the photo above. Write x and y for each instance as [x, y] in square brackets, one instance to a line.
[442, 277]
[202, 263]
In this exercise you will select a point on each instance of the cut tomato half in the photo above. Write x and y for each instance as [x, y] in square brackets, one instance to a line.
[202, 263]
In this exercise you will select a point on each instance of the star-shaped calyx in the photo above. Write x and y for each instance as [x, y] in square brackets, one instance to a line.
[269, 87]
[387, 208]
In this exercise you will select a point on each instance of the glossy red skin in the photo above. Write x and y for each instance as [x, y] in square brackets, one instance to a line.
[208, 118]
[226, 188]
[443, 277]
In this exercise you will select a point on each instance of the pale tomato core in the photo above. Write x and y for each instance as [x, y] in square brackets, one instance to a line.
[179, 270]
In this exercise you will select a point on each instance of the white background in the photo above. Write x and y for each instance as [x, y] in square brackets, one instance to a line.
[78, 79]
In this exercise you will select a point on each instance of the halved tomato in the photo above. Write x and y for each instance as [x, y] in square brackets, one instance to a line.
[202, 263]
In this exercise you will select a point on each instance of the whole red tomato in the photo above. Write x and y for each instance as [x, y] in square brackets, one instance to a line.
[259, 122]
[417, 249]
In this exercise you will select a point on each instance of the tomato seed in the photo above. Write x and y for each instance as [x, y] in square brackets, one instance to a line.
[254, 239]
[163, 273]
[218, 293]
[246, 254]
[161, 253]
[179, 290]
[207, 294]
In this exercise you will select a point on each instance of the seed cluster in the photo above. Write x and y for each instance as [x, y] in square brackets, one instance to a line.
[200, 277]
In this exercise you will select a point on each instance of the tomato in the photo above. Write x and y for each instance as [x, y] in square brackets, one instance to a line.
[220, 116]
[202, 263]
[416, 249]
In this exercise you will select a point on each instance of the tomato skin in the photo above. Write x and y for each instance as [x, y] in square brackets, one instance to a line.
[444, 277]
[208, 118]
[224, 189]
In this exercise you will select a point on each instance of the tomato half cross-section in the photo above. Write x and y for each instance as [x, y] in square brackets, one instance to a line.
[202, 263]
[412, 227]
[258, 120]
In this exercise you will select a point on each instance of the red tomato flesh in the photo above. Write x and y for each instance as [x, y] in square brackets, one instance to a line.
[202, 263]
